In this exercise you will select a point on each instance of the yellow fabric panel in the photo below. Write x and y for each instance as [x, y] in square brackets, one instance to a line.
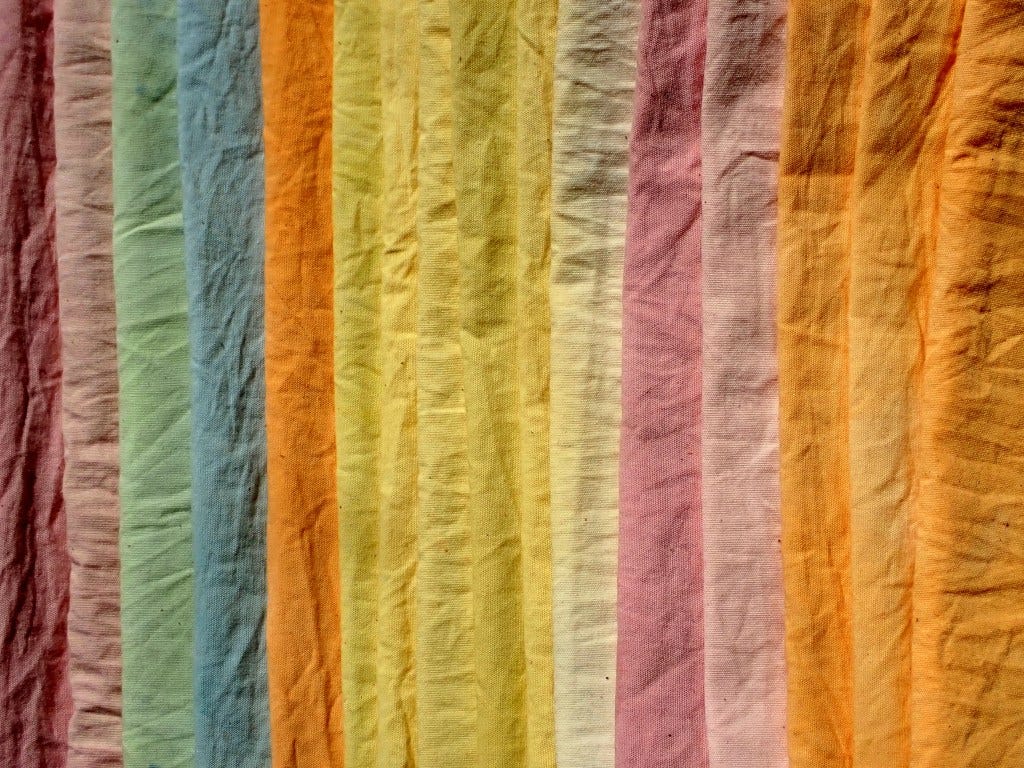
[446, 681]
[396, 674]
[483, 131]
[819, 136]
[535, 54]
[968, 686]
[357, 182]
[895, 193]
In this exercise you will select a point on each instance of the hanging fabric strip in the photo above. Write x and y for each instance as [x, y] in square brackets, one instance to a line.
[595, 63]
[824, 67]
[303, 598]
[744, 635]
[34, 696]
[966, 684]
[483, 131]
[446, 685]
[358, 351]
[660, 696]
[84, 207]
[221, 134]
[894, 205]
[157, 612]
[535, 62]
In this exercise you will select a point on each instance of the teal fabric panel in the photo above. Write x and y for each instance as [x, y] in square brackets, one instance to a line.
[220, 123]
[157, 613]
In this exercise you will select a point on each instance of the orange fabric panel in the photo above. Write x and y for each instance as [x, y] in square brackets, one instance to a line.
[303, 624]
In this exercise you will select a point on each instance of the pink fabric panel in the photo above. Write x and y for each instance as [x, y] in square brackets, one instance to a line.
[34, 700]
[660, 686]
[85, 263]
[744, 651]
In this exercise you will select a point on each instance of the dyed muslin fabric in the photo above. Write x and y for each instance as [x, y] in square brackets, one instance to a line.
[445, 671]
[966, 686]
[660, 693]
[84, 240]
[34, 696]
[303, 623]
[221, 129]
[157, 608]
[744, 636]
[894, 198]
[819, 139]
[595, 63]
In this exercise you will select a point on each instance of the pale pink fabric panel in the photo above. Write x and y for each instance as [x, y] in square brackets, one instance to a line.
[660, 687]
[34, 700]
[84, 232]
[744, 654]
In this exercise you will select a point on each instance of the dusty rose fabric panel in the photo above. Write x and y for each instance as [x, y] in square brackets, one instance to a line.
[82, 188]
[660, 689]
[744, 636]
[34, 700]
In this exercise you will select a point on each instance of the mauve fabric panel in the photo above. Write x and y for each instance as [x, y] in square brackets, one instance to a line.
[660, 693]
[34, 697]
[83, 192]
[744, 636]
[221, 136]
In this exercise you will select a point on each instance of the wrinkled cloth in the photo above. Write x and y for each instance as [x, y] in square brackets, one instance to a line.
[84, 242]
[34, 695]
[966, 686]
[660, 717]
[303, 622]
[157, 608]
[361, 343]
[744, 634]
[221, 135]
[894, 198]
[595, 64]
[446, 685]
[824, 70]
[483, 42]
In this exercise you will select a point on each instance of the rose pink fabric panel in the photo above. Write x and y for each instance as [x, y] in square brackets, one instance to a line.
[660, 687]
[34, 700]
[744, 641]
[83, 193]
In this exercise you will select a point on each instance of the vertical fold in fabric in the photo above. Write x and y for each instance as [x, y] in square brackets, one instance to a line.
[221, 136]
[744, 633]
[595, 62]
[894, 204]
[157, 613]
[966, 682]
[446, 682]
[358, 351]
[397, 561]
[483, 45]
[303, 592]
[535, 73]
[660, 693]
[824, 67]
[34, 696]
[84, 240]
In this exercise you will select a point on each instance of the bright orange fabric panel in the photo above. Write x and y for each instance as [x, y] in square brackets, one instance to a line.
[303, 624]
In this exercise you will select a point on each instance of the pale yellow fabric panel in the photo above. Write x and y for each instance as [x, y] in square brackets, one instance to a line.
[968, 688]
[446, 680]
[357, 168]
[819, 136]
[535, 58]
[595, 65]
[483, 131]
[396, 618]
[895, 194]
